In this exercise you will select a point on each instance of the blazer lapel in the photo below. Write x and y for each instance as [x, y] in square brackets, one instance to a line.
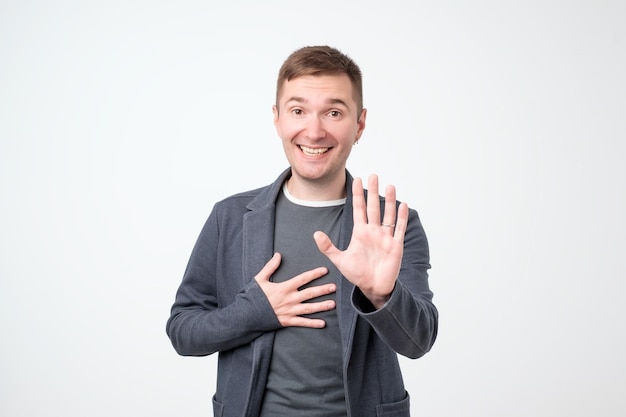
[258, 240]
[258, 228]
[346, 313]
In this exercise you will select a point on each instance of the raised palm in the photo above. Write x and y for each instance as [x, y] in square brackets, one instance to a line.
[372, 259]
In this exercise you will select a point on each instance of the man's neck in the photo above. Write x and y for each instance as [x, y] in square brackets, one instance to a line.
[317, 190]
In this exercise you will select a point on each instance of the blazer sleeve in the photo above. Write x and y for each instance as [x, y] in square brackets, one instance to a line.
[201, 321]
[408, 322]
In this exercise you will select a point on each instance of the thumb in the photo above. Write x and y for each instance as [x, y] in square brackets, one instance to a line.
[270, 267]
[325, 245]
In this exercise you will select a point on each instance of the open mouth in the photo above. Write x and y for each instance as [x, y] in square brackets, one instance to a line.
[313, 151]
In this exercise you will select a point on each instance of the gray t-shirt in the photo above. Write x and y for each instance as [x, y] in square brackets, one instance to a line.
[306, 369]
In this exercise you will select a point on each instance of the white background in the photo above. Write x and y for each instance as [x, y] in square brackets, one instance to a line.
[502, 122]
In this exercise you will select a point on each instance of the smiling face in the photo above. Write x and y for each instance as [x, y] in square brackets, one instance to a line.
[318, 120]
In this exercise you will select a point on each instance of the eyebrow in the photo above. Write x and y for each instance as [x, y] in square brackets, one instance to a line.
[298, 99]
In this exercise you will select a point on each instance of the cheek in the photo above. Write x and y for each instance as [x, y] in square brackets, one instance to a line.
[286, 130]
[348, 133]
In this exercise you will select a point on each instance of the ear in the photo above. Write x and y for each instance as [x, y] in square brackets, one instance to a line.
[361, 125]
[275, 112]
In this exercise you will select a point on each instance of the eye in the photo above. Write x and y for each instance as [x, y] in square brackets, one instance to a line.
[297, 112]
[334, 113]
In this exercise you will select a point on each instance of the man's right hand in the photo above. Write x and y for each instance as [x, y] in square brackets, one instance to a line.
[289, 303]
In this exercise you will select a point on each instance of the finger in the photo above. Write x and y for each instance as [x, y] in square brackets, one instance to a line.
[373, 202]
[270, 267]
[358, 202]
[312, 308]
[306, 277]
[401, 221]
[298, 321]
[316, 291]
[324, 244]
[389, 217]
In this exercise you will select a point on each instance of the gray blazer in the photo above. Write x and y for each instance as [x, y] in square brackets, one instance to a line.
[219, 307]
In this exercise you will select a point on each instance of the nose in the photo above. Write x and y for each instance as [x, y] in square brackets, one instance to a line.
[315, 128]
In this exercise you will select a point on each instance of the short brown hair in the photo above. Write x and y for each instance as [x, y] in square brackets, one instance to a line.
[321, 60]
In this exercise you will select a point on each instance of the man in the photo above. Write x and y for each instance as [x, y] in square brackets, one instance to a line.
[309, 287]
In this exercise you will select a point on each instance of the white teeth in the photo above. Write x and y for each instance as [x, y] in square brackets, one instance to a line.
[313, 151]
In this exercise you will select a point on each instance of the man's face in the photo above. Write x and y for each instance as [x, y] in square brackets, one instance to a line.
[318, 121]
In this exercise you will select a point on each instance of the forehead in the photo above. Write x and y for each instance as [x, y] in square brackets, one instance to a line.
[336, 87]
